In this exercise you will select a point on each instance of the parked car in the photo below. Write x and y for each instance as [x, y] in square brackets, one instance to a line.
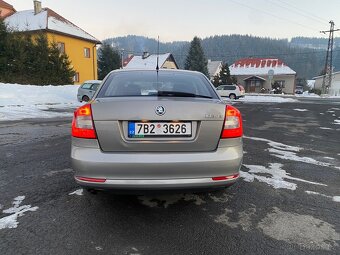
[232, 91]
[299, 90]
[87, 90]
[156, 130]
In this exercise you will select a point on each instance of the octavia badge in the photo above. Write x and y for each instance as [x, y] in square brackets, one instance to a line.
[160, 110]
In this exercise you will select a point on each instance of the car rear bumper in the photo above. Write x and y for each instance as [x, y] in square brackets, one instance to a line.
[154, 170]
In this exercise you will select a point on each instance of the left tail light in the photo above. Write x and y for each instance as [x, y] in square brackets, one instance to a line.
[232, 123]
[82, 123]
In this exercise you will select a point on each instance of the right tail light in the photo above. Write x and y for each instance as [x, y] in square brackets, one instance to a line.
[232, 127]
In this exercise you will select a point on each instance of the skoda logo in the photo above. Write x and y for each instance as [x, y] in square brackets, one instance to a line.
[160, 110]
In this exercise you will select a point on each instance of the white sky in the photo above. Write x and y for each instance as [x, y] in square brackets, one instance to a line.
[183, 19]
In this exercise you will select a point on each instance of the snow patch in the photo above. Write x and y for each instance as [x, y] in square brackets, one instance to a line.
[16, 211]
[337, 122]
[277, 176]
[288, 152]
[266, 99]
[29, 101]
[289, 155]
[329, 158]
[300, 110]
[78, 192]
[326, 128]
[334, 198]
[276, 145]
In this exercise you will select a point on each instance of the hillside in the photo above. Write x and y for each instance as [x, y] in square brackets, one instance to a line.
[307, 62]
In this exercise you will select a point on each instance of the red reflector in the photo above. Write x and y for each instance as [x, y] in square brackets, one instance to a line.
[87, 179]
[224, 178]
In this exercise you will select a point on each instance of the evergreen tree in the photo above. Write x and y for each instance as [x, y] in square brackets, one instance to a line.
[3, 50]
[224, 76]
[109, 59]
[196, 60]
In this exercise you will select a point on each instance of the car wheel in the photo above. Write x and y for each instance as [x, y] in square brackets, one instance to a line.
[232, 96]
[85, 99]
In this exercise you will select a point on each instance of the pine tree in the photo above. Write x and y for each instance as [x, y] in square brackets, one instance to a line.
[3, 50]
[196, 60]
[108, 60]
[223, 77]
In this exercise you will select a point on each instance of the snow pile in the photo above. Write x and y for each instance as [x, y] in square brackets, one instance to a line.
[267, 99]
[28, 101]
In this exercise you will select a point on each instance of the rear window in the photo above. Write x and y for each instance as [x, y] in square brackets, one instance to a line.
[86, 85]
[149, 83]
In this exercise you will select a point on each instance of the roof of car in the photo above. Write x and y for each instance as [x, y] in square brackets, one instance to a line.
[160, 70]
[93, 81]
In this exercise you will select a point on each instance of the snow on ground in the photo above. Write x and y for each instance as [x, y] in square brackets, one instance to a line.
[78, 192]
[334, 198]
[274, 176]
[29, 101]
[288, 152]
[266, 99]
[300, 110]
[337, 122]
[15, 212]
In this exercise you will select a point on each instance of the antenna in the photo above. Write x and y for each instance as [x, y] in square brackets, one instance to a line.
[157, 67]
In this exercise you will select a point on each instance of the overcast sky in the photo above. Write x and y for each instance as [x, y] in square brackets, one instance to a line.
[176, 20]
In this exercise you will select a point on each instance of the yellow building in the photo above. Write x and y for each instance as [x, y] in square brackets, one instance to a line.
[80, 46]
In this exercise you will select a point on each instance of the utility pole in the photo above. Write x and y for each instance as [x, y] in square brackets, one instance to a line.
[327, 78]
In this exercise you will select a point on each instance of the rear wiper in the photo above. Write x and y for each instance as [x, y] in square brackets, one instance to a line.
[180, 94]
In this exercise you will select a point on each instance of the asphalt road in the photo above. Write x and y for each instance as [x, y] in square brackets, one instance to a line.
[285, 202]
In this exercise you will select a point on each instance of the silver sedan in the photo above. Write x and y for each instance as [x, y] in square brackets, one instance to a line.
[156, 130]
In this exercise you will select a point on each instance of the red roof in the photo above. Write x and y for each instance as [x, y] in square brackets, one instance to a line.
[259, 62]
[3, 4]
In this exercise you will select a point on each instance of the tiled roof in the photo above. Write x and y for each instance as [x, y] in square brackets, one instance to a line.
[259, 66]
[3, 4]
[47, 19]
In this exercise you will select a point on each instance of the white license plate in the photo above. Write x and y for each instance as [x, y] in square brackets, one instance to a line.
[159, 129]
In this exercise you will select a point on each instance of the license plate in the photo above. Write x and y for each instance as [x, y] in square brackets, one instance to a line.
[159, 129]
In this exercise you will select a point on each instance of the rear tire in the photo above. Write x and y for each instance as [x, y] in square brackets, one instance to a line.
[85, 99]
[232, 96]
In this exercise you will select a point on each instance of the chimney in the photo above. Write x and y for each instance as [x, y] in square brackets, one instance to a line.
[145, 55]
[37, 7]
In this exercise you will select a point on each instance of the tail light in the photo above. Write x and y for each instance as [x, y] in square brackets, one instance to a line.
[82, 123]
[241, 87]
[232, 123]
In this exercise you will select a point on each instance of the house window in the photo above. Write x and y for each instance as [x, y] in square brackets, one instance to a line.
[61, 47]
[76, 77]
[87, 52]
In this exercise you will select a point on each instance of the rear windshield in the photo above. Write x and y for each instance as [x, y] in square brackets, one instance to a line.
[149, 83]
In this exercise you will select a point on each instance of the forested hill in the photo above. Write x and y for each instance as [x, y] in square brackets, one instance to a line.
[307, 62]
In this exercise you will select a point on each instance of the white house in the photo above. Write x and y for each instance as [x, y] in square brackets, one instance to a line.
[214, 68]
[254, 74]
[335, 87]
[147, 61]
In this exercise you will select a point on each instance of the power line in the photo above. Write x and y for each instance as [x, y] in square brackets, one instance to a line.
[270, 14]
[312, 14]
[294, 9]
